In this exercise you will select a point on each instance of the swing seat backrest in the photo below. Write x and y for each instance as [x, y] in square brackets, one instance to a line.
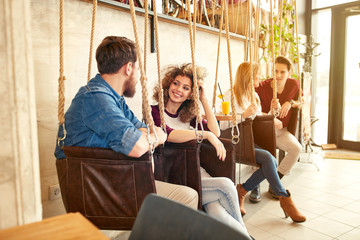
[213, 165]
[244, 149]
[107, 187]
[260, 131]
[179, 163]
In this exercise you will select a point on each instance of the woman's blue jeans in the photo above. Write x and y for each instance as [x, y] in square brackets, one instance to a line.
[268, 171]
[220, 200]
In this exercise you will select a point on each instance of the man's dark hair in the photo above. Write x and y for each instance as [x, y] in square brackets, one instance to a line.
[113, 53]
[286, 61]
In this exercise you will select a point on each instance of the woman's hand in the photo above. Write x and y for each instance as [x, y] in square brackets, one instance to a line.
[202, 95]
[251, 110]
[220, 149]
[278, 124]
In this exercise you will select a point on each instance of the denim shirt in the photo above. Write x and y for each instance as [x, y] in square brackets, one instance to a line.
[100, 117]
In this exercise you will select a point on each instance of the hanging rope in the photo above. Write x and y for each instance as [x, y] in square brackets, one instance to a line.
[242, 18]
[92, 37]
[201, 10]
[146, 24]
[192, 30]
[247, 33]
[161, 92]
[257, 31]
[213, 13]
[250, 55]
[235, 136]
[218, 54]
[232, 13]
[61, 80]
[199, 136]
[297, 47]
[183, 9]
[194, 25]
[146, 106]
[280, 25]
[276, 113]
[237, 16]
[166, 6]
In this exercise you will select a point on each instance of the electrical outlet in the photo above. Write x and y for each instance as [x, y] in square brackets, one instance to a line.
[54, 192]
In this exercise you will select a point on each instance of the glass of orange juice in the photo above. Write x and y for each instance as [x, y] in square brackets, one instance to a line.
[225, 107]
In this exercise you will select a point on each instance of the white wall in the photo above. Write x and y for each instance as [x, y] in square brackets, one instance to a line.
[174, 49]
[19, 159]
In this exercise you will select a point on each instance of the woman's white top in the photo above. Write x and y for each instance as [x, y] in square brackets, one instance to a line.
[174, 122]
[239, 110]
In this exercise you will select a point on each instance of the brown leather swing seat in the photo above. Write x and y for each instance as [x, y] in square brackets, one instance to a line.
[260, 131]
[108, 188]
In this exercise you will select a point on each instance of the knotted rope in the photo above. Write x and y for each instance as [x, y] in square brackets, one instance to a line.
[280, 24]
[161, 92]
[297, 47]
[192, 30]
[218, 54]
[143, 79]
[276, 113]
[252, 99]
[235, 136]
[257, 31]
[92, 37]
[146, 24]
[61, 80]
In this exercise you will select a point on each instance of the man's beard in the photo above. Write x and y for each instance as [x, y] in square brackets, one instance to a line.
[130, 87]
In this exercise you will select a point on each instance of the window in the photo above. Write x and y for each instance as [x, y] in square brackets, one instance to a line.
[320, 68]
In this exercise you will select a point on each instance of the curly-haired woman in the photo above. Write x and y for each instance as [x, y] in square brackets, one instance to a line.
[219, 196]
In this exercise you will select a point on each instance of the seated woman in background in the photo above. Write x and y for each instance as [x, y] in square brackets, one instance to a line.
[268, 170]
[219, 196]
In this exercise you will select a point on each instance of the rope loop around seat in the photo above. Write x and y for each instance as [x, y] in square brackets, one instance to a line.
[235, 136]
[60, 140]
[61, 79]
[92, 37]
[199, 136]
[152, 144]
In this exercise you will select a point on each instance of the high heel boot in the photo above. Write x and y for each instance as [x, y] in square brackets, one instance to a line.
[289, 209]
[241, 193]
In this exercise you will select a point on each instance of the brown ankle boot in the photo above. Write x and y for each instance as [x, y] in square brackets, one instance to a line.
[241, 193]
[289, 209]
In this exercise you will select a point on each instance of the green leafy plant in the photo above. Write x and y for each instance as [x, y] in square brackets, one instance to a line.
[288, 40]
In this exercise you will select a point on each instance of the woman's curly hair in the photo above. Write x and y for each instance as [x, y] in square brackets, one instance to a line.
[187, 108]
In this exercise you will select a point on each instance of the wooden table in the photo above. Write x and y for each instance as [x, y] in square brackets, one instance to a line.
[64, 227]
[221, 117]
